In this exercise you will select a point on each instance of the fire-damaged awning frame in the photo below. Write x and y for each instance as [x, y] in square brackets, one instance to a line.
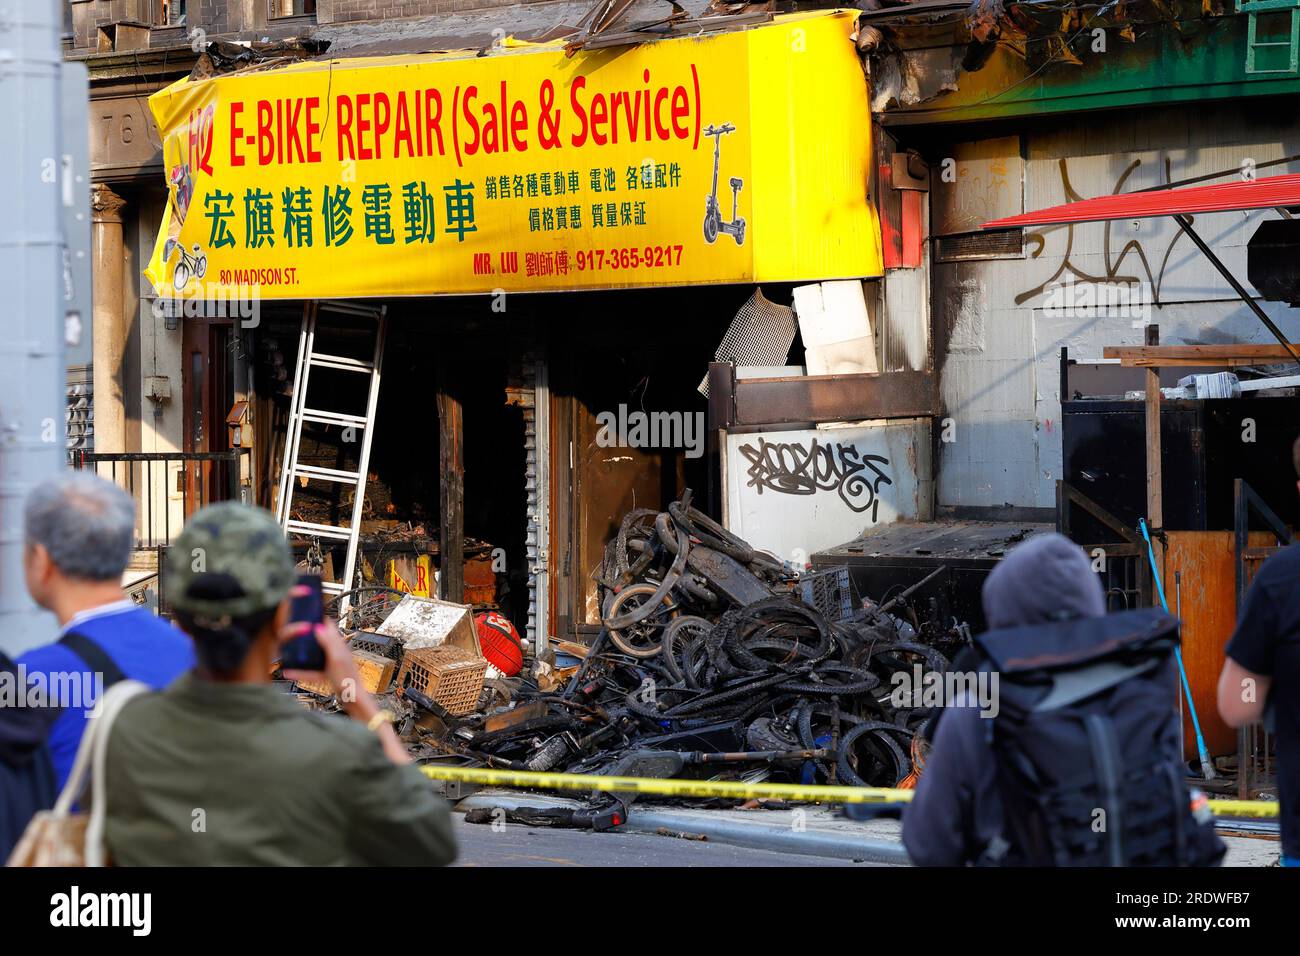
[739, 404]
[1270, 193]
[1276, 192]
[1273, 192]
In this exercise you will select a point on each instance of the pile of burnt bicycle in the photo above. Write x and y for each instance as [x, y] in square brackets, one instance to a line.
[716, 661]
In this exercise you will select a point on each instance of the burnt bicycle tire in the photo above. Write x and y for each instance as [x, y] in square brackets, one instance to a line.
[710, 701]
[815, 689]
[883, 656]
[709, 533]
[622, 563]
[736, 627]
[662, 591]
[672, 633]
[761, 734]
[804, 714]
[879, 734]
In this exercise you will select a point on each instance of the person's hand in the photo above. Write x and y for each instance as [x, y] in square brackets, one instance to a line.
[342, 672]
[340, 667]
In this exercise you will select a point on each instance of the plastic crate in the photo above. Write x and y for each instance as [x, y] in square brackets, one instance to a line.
[449, 676]
[380, 644]
[830, 591]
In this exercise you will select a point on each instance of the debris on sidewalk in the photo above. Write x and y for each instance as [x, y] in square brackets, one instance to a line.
[715, 661]
[682, 834]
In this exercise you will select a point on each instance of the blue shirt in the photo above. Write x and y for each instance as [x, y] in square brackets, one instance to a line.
[145, 647]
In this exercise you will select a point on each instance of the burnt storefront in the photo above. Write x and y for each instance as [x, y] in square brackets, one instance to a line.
[488, 290]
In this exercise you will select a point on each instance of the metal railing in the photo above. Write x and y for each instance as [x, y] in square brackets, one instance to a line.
[1126, 576]
[167, 486]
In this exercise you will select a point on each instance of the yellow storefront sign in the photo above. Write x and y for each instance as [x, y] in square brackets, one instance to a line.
[736, 157]
[420, 572]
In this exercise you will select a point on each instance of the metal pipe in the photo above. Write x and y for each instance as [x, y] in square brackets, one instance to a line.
[1186, 225]
[33, 443]
[745, 756]
[1178, 598]
[884, 609]
[1207, 765]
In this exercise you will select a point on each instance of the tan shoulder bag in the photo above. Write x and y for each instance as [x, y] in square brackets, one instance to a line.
[60, 837]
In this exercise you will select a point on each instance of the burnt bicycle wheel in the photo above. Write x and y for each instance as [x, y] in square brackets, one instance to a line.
[643, 638]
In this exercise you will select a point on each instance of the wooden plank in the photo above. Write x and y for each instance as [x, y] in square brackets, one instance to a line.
[1155, 484]
[376, 675]
[451, 473]
[831, 398]
[1208, 589]
[376, 672]
[1078, 498]
[1149, 356]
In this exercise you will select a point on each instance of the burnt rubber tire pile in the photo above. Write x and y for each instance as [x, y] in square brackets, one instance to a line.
[707, 648]
[680, 656]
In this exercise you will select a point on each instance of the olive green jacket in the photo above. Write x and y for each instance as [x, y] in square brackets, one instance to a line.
[208, 774]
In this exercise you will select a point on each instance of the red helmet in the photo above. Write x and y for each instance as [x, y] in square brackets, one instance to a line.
[500, 642]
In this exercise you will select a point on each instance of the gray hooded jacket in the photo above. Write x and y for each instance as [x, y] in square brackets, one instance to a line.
[956, 814]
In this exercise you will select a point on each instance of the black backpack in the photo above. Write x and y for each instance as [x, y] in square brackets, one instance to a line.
[27, 778]
[26, 771]
[1088, 745]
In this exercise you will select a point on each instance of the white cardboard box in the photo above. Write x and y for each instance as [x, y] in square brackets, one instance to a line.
[428, 622]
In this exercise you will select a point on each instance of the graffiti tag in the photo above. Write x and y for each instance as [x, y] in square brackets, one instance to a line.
[796, 468]
[1112, 262]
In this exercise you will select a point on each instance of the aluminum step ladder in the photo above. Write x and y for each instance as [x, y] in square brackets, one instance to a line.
[301, 412]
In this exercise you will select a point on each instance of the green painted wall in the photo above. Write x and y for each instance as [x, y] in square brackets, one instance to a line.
[1207, 61]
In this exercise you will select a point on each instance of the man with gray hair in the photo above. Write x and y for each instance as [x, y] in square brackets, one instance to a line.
[79, 529]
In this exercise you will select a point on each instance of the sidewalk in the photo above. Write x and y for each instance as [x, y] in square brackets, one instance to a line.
[815, 831]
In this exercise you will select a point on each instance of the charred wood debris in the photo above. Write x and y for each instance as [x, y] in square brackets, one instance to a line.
[714, 661]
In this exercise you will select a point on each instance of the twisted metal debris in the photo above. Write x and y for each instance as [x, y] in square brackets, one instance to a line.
[716, 661]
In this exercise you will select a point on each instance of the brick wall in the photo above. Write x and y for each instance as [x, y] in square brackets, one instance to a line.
[212, 15]
[239, 17]
[345, 11]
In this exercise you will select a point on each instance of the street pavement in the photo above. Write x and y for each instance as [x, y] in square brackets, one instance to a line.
[801, 836]
[513, 845]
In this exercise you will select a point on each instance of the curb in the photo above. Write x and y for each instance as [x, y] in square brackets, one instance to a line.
[756, 836]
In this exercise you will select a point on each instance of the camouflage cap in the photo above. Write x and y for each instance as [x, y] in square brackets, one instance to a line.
[237, 540]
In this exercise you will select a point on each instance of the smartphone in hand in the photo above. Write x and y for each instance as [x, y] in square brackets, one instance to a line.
[304, 653]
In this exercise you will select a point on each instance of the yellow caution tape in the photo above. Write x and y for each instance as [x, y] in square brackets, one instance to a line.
[730, 789]
[735, 789]
[1244, 808]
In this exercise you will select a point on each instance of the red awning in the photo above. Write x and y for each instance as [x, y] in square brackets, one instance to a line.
[1220, 197]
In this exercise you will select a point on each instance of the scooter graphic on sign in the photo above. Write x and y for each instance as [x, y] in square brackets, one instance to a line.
[713, 223]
